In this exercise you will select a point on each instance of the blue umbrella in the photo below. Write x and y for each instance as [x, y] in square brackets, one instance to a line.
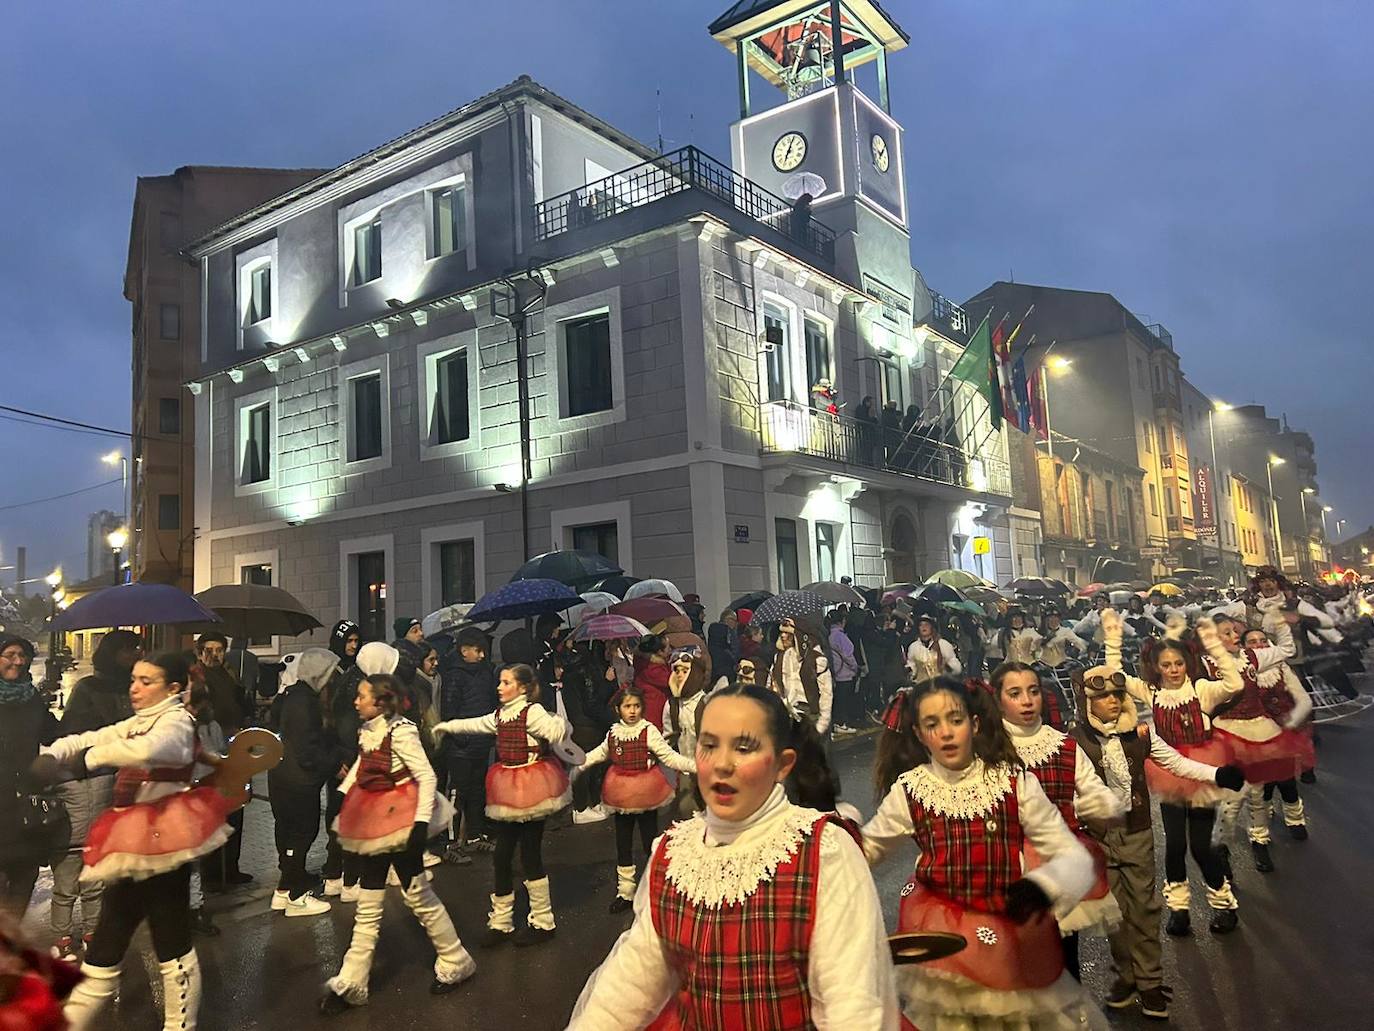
[521, 598]
[137, 604]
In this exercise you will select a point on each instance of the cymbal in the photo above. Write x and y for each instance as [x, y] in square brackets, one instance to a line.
[924, 946]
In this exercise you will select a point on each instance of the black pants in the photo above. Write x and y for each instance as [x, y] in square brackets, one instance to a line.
[1184, 828]
[372, 870]
[468, 777]
[16, 887]
[164, 901]
[625, 824]
[296, 821]
[334, 866]
[223, 863]
[1070, 943]
[530, 837]
[587, 788]
[845, 708]
[1288, 790]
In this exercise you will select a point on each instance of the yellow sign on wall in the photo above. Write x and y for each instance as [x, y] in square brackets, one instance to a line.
[982, 546]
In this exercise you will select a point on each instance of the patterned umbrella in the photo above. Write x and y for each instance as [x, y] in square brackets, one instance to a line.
[610, 627]
[790, 605]
[580, 569]
[835, 593]
[649, 588]
[521, 598]
[960, 578]
[136, 604]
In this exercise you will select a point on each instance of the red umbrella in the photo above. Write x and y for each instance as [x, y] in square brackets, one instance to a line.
[648, 610]
[610, 627]
[1090, 590]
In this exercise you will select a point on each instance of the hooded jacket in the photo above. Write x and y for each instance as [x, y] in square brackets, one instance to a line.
[309, 757]
[466, 689]
[103, 697]
[339, 636]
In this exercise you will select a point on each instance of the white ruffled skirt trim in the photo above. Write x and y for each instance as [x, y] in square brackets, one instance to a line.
[1099, 917]
[133, 866]
[548, 807]
[942, 1002]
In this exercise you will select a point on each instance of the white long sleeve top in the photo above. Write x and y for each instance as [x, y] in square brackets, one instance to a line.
[1091, 799]
[160, 735]
[406, 753]
[1022, 645]
[849, 968]
[1269, 664]
[1116, 768]
[540, 724]
[794, 693]
[659, 749]
[925, 661]
[1065, 875]
[1054, 648]
[1209, 693]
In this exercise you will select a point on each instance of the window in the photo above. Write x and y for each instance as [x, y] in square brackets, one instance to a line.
[448, 220]
[891, 386]
[169, 321]
[371, 595]
[785, 536]
[601, 538]
[169, 415]
[450, 419]
[1128, 516]
[169, 511]
[1154, 501]
[257, 445]
[367, 251]
[260, 294]
[457, 572]
[1168, 501]
[825, 551]
[587, 358]
[818, 362]
[1149, 442]
[259, 573]
[365, 431]
[777, 333]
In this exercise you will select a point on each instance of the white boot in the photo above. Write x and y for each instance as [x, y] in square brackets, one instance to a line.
[1223, 897]
[98, 986]
[540, 926]
[1259, 818]
[350, 984]
[624, 889]
[1176, 894]
[1294, 815]
[452, 963]
[501, 919]
[180, 992]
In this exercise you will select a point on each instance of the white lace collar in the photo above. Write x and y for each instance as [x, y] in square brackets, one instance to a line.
[372, 733]
[1035, 746]
[1269, 677]
[716, 862]
[963, 794]
[511, 710]
[623, 731]
[1174, 697]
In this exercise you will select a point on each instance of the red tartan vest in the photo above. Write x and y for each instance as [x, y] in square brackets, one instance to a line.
[743, 967]
[1050, 702]
[631, 755]
[513, 747]
[1182, 726]
[972, 861]
[1057, 776]
[374, 768]
[130, 778]
[1249, 704]
[1278, 703]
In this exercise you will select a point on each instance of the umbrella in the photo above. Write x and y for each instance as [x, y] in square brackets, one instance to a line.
[575, 568]
[616, 585]
[960, 578]
[750, 601]
[1038, 586]
[790, 605]
[936, 593]
[1169, 590]
[521, 598]
[257, 610]
[1207, 582]
[983, 595]
[803, 182]
[1184, 573]
[1063, 587]
[135, 604]
[446, 618]
[1091, 589]
[593, 602]
[1120, 585]
[971, 607]
[835, 593]
[610, 627]
[685, 639]
[649, 611]
[646, 588]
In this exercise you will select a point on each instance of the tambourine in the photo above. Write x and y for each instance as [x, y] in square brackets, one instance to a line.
[568, 751]
[924, 946]
[250, 752]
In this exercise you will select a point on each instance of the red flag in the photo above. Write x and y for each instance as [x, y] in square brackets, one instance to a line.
[1001, 356]
[1036, 390]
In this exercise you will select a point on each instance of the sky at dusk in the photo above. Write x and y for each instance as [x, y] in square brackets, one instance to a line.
[1208, 164]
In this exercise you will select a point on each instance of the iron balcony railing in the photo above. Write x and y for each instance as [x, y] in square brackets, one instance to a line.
[673, 173]
[787, 426]
[949, 318]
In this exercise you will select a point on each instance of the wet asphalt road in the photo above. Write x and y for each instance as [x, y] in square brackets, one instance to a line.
[1302, 958]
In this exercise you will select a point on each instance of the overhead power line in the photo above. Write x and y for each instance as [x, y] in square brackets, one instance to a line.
[59, 497]
[57, 422]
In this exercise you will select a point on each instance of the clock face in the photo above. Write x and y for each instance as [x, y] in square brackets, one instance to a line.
[881, 157]
[789, 152]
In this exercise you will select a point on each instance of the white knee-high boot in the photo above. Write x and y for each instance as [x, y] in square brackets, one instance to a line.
[1294, 815]
[625, 882]
[180, 992]
[1259, 816]
[350, 984]
[98, 986]
[452, 962]
[541, 906]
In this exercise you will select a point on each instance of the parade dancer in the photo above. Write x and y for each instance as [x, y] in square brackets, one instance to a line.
[930, 655]
[1071, 783]
[143, 847]
[1287, 701]
[383, 826]
[759, 913]
[635, 786]
[801, 675]
[1108, 735]
[953, 783]
[1058, 641]
[1182, 702]
[1020, 643]
[524, 787]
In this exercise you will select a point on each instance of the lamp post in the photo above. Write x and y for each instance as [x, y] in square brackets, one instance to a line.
[1269, 463]
[1306, 526]
[116, 539]
[1217, 406]
[1055, 364]
[52, 676]
[117, 458]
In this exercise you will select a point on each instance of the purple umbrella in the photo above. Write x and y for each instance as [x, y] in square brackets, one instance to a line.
[136, 604]
[610, 627]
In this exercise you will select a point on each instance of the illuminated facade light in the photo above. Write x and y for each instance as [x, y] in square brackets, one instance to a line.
[236, 375]
[340, 344]
[381, 329]
[302, 355]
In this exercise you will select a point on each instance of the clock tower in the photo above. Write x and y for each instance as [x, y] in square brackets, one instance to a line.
[829, 138]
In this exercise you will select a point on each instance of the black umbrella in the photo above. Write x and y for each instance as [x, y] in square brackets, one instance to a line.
[578, 569]
[836, 593]
[1038, 586]
[617, 585]
[936, 593]
[750, 601]
[255, 610]
[790, 605]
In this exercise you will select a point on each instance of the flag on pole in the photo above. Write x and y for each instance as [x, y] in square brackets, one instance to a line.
[1035, 390]
[1021, 394]
[975, 367]
[1001, 354]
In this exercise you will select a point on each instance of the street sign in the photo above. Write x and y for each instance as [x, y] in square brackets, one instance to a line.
[982, 546]
[1206, 517]
[1152, 552]
[741, 533]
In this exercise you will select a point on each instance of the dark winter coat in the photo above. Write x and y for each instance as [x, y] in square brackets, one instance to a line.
[466, 689]
[309, 757]
[226, 699]
[343, 722]
[102, 698]
[24, 726]
[723, 644]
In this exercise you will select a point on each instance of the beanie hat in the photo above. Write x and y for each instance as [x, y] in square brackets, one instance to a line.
[402, 625]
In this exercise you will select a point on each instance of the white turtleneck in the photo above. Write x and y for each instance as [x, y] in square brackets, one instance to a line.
[849, 972]
[1091, 798]
[659, 749]
[160, 735]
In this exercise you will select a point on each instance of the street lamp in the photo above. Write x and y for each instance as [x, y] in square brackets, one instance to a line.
[52, 675]
[117, 539]
[1056, 364]
[117, 458]
[1269, 463]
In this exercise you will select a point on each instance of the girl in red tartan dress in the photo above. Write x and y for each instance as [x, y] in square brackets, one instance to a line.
[387, 816]
[758, 914]
[1182, 701]
[1071, 783]
[954, 785]
[143, 847]
[635, 786]
[524, 786]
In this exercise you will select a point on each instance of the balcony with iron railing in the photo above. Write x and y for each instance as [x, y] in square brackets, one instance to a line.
[948, 319]
[789, 427]
[670, 188]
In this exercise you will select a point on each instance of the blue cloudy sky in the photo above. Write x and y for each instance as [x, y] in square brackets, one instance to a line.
[1208, 163]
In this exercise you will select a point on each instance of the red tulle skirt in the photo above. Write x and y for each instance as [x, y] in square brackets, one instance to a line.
[151, 838]
[635, 791]
[1100, 888]
[372, 822]
[522, 793]
[1168, 787]
[1262, 762]
[1001, 954]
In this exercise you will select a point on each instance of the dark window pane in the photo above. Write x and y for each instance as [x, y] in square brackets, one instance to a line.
[169, 511]
[588, 359]
[602, 538]
[257, 463]
[367, 252]
[825, 551]
[451, 398]
[371, 599]
[168, 415]
[775, 325]
[169, 321]
[367, 417]
[450, 221]
[260, 574]
[260, 303]
[817, 356]
[785, 533]
[457, 572]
